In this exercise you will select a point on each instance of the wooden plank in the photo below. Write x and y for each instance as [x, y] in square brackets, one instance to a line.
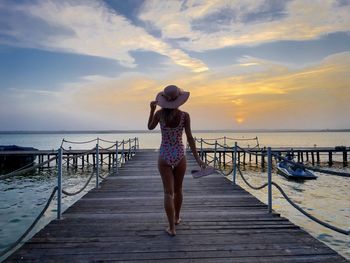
[124, 220]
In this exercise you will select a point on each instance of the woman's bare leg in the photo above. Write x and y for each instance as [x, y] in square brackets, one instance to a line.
[179, 173]
[166, 172]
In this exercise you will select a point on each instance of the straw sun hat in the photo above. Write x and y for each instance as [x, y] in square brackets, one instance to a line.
[172, 97]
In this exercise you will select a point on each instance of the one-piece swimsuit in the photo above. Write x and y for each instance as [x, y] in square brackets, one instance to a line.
[172, 149]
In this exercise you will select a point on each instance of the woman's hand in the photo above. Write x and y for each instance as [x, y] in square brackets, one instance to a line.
[153, 105]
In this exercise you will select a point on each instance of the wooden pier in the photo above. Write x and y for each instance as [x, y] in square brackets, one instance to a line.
[124, 221]
[312, 155]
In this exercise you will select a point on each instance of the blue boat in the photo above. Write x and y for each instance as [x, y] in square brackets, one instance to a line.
[291, 171]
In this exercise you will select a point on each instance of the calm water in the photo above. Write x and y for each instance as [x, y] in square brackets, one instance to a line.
[22, 198]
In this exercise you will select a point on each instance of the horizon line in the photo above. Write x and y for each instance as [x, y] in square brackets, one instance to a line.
[158, 130]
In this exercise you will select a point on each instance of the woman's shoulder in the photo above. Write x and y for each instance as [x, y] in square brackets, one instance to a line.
[185, 115]
[184, 112]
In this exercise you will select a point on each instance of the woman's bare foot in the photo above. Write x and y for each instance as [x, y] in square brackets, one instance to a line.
[170, 232]
[178, 221]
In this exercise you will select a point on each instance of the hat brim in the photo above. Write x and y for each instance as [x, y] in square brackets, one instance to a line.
[164, 103]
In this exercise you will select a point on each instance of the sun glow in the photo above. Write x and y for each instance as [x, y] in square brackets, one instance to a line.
[239, 120]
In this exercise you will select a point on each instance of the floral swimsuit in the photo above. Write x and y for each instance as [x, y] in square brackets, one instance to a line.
[172, 149]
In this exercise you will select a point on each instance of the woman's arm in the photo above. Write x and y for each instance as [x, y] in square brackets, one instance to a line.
[153, 118]
[191, 141]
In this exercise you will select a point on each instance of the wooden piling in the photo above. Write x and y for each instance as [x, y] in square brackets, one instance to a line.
[330, 158]
[345, 158]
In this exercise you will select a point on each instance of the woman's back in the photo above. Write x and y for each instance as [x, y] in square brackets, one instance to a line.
[171, 148]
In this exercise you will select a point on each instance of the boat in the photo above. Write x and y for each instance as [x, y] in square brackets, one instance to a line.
[291, 171]
[14, 157]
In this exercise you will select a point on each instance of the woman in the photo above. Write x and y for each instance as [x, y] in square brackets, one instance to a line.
[172, 160]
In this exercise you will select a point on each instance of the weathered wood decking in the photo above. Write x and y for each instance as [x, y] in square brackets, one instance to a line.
[124, 221]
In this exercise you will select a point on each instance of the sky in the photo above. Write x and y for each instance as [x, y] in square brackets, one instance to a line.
[97, 65]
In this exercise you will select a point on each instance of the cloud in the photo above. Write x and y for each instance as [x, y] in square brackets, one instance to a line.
[270, 96]
[204, 25]
[84, 27]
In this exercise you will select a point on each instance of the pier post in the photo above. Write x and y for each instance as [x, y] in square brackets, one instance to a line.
[116, 158]
[202, 149]
[59, 183]
[263, 157]
[345, 158]
[318, 157]
[269, 178]
[122, 153]
[234, 165]
[97, 166]
[129, 152]
[313, 158]
[224, 153]
[330, 159]
[215, 159]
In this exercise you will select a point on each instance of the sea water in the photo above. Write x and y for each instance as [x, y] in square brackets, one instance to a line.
[23, 197]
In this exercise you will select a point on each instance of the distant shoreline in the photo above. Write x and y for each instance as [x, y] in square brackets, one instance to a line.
[158, 131]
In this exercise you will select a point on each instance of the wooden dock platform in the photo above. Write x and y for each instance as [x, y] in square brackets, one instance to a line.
[124, 221]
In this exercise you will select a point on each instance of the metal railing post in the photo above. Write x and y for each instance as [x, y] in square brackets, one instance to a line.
[97, 166]
[202, 149]
[234, 164]
[116, 158]
[135, 145]
[121, 160]
[216, 146]
[269, 178]
[59, 184]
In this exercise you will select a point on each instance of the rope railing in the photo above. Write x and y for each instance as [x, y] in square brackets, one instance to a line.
[131, 150]
[30, 228]
[81, 189]
[270, 183]
[78, 142]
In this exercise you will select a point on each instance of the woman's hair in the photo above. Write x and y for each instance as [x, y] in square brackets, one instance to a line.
[167, 115]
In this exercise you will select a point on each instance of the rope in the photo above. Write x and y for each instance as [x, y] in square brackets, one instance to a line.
[251, 186]
[78, 155]
[19, 240]
[81, 142]
[11, 174]
[103, 140]
[254, 153]
[79, 191]
[339, 230]
[108, 148]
